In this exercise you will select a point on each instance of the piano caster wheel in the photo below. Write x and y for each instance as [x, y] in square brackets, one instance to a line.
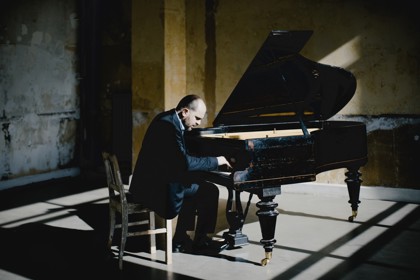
[354, 214]
[267, 258]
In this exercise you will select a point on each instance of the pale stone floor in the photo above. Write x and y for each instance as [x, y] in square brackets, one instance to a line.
[59, 232]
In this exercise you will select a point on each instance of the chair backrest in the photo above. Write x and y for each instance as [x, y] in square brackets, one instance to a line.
[113, 177]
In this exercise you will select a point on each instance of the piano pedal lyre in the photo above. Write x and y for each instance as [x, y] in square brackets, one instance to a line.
[353, 216]
[267, 258]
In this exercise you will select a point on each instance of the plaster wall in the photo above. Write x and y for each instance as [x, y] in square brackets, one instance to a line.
[378, 43]
[39, 105]
[147, 66]
[175, 54]
[158, 61]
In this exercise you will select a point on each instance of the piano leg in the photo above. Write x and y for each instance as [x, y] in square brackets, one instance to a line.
[267, 215]
[353, 186]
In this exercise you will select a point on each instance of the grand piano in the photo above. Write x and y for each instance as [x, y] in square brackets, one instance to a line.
[274, 129]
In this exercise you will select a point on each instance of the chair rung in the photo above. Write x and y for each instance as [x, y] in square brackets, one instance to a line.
[148, 232]
[139, 223]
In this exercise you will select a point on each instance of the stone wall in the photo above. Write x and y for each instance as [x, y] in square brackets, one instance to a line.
[39, 104]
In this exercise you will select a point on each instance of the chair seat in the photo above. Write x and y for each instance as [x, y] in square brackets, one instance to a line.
[132, 207]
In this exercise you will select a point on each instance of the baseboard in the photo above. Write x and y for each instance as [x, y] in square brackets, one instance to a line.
[22, 181]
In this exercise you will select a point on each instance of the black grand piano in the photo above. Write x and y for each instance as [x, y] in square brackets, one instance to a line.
[274, 129]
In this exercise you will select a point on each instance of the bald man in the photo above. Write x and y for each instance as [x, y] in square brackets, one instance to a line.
[161, 179]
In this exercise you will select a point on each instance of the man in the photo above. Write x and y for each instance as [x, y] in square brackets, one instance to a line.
[162, 178]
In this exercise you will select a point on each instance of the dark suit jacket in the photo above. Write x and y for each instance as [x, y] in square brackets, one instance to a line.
[163, 164]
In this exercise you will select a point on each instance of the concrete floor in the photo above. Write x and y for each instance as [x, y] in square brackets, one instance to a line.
[58, 231]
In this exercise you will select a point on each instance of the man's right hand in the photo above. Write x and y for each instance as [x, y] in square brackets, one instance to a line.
[223, 161]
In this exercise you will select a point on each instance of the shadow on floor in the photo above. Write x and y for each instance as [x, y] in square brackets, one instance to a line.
[40, 251]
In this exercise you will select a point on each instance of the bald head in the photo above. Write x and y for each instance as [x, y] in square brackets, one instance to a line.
[191, 110]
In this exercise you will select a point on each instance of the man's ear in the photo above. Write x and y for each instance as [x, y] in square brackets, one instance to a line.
[185, 112]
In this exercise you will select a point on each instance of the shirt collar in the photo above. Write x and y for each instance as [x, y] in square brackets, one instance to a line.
[180, 122]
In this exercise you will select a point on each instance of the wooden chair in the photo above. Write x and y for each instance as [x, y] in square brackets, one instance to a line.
[120, 202]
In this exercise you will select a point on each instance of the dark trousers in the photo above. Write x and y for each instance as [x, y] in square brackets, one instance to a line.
[200, 200]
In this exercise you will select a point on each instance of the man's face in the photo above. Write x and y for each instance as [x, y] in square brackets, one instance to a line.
[192, 118]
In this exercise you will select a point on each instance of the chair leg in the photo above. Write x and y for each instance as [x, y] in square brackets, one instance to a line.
[152, 226]
[111, 227]
[124, 232]
[168, 253]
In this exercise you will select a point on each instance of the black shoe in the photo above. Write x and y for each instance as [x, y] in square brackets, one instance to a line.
[182, 245]
[206, 245]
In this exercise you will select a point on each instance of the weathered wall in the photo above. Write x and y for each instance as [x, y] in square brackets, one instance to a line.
[201, 50]
[38, 100]
[147, 66]
[114, 81]
[181, 47]
[378, 43]
[158, 61]
[65, 87]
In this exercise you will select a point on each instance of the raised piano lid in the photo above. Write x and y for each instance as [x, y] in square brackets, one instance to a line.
[280, 85]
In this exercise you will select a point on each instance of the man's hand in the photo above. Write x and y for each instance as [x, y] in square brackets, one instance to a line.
[223, 161]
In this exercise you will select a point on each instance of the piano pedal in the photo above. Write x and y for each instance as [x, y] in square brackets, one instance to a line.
[353, 215]
[267, 258]
[236, 239]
